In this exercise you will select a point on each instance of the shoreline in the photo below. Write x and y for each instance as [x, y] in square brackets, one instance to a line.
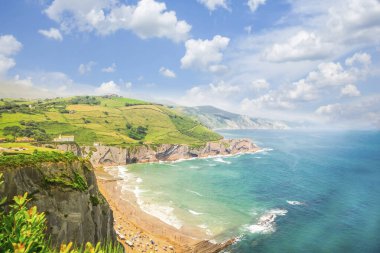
[146, 232]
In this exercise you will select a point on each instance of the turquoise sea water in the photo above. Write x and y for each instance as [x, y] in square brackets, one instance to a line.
[307, 192]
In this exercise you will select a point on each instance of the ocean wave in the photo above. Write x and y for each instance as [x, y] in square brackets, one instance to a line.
[194, 167]
[139, 180]
[220, 160]
[196, 193]
[163, 213]
[118, 172]
[267, 222]
[263, 151]
[206, 229]
[194, 212]
[295, 203]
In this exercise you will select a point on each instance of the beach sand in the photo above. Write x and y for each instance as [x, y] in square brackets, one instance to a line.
[148, 233]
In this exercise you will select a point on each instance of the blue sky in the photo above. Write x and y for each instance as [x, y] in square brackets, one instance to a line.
[294, 60]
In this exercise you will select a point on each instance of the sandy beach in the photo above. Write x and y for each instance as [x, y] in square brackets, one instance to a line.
[145, 232]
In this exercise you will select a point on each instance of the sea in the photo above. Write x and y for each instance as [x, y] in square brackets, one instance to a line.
[305, 191]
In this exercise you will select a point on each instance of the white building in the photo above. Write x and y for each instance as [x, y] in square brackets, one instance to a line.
[64, 138]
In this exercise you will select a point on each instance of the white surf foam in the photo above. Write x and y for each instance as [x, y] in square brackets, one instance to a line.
[220, 160]
[206, 229]
[267, 222]
[139, 180]
[164, 213]
[196, 193]
[295, 203]
[263, 151]
[194, 212]
[194, 167]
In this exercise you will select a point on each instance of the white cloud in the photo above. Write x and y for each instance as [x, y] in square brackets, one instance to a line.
[9, 46]
[259, 84]
[254, 4]
[52, 33]
[358, 113]
[86, 67]
[328, 109]
[147, 18]
[110, 69]
[331, 74]
[356, 20]
[39, 85]
[223, 89]
[302, 46]
[324, 81]
[167, 72]
[213, 4]
[350, 90]
[6, 64]
[128, 85]
[204, 54]
[108, 88]
[362, 58]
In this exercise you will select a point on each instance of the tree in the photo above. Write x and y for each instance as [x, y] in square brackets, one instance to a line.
[12, 130]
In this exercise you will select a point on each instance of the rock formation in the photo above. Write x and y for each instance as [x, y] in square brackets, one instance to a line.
[107, 155]
[68, 194]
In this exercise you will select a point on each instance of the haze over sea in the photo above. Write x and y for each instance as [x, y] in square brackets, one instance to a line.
[305, 192]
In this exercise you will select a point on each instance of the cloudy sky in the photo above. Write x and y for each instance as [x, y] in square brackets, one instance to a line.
[301, 60]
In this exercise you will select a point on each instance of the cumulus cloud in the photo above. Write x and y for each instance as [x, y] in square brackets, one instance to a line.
[108, 88]
[259, 84]
[302, 46]
[52, 33]
[350, 90]
[327, 79]
[204, 54]
[40, 85]
[9, 46]
[356, 20]
[213, 4]
[220, 94]
[147, 19]
[167, 72]
[361, 58]
[110, 69]
[361, 112]
[86, 67]
[254, 4]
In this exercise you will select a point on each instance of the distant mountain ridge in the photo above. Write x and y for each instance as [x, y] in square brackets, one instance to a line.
[216, 118]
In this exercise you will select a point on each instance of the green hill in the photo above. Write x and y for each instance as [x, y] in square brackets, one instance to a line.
[111, 120]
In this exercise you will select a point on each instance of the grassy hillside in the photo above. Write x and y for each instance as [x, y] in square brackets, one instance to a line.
[111, 120]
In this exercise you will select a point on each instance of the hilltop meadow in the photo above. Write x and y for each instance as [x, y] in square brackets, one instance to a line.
[110, 120]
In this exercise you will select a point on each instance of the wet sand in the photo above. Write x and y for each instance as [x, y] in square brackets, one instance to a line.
[146, 232]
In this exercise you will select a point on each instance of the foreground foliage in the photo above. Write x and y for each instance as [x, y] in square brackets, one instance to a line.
[22, 230]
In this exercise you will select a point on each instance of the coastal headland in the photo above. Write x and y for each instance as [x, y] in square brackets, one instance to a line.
[140, 231]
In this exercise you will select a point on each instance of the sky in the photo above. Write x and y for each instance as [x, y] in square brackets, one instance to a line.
[314, 61]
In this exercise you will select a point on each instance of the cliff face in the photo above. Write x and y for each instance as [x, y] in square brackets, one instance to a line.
[68, 194]
[105, 155]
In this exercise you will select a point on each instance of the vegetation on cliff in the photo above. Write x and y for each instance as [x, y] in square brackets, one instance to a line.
[111, 120]
[22, 230]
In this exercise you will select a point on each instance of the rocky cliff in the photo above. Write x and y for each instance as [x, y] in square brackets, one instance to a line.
[106, 155]
[68, 194]
[215, 118]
